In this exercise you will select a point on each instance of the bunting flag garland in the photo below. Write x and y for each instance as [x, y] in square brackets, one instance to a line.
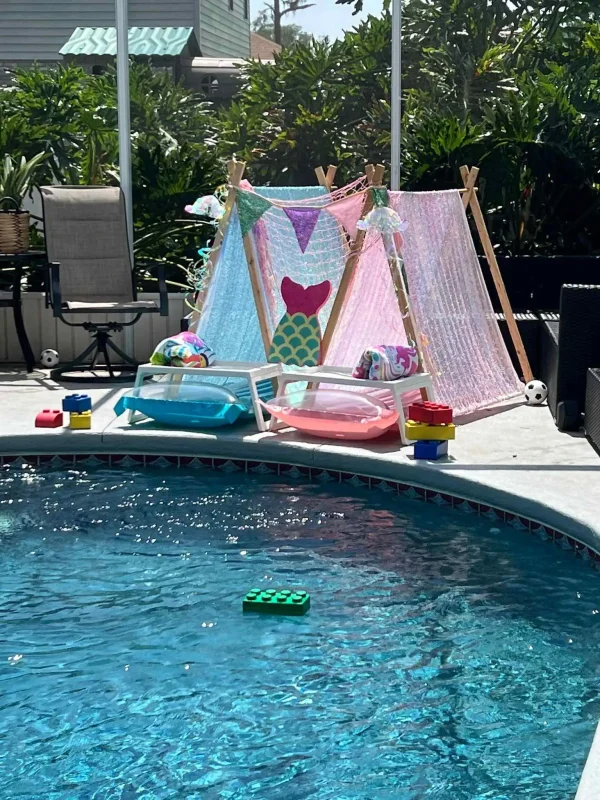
[347, 212]
[304, 221]
[251, 207]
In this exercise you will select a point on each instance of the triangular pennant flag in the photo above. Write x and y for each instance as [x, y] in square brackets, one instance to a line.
[251, 207]
[380, 197]
[348, 212]
[304, 221]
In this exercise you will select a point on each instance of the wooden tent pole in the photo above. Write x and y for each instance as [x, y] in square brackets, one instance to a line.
[408, 320]
[257, 293]
[326, 180]
[471, 199]
[375, 177]
[235, 170]
[331, 172]
[406, 313]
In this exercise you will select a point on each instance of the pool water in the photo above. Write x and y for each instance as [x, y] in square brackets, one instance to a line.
[440, 659]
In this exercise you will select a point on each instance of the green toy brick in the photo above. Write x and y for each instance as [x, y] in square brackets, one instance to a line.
[271, 601]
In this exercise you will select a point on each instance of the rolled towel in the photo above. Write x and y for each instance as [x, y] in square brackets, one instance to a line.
[183, 350]
[387, 362]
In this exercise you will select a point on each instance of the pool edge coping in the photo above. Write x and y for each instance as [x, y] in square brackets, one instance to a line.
[328, 461]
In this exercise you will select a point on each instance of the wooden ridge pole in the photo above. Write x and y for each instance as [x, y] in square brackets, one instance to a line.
[235, 170]
[471, 200]
[375, 177]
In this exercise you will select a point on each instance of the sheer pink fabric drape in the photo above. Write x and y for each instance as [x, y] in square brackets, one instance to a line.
[469, 362]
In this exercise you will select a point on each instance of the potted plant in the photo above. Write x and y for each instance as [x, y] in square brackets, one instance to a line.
[15, 181]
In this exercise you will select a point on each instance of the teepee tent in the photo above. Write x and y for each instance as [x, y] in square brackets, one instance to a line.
[306, 233]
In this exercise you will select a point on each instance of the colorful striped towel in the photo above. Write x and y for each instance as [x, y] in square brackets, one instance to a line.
[385, 362]
[183, 350]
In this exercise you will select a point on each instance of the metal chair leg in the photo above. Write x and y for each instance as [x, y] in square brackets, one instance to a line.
[99, 349]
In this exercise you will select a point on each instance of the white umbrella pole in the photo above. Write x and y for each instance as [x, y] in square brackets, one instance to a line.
[124, 109]
[396, 104]
[123, 102]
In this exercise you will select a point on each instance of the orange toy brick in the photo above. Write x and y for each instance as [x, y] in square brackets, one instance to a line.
[430, 413]
[49, 418]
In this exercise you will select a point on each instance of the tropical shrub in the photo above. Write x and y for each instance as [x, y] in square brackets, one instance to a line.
[511, 86]
[71, 117]
[16, 179]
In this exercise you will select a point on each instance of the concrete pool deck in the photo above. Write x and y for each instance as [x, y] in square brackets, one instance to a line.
[511, 458]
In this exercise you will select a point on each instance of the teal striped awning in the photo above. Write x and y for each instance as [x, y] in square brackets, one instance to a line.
[142, 42]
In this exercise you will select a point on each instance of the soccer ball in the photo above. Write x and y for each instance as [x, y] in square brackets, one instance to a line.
[50, 358]
[535, 393]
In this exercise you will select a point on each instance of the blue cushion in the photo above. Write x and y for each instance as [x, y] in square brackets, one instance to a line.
[184, 405]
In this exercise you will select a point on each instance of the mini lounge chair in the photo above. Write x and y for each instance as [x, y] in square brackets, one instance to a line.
[91, 273]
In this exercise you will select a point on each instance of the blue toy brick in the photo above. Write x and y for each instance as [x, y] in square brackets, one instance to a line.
[271, 601]
[77, 403]
[432, 450]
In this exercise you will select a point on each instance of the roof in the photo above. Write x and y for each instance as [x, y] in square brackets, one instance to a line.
[216, 65]
[262, 48]
[142, 42]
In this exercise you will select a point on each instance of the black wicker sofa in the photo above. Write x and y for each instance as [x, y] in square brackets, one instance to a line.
[569, 346]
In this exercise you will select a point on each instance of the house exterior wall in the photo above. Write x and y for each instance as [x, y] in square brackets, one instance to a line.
[46, 332]
[35, 30]
[225, 28]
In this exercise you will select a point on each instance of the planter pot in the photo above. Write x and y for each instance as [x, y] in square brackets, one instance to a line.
[14, 230]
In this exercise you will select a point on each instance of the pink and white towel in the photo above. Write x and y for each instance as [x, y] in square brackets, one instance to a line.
[385, 362]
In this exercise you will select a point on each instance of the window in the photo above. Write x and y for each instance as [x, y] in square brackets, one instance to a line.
[209, 85]
[231, 5]
[246, 8]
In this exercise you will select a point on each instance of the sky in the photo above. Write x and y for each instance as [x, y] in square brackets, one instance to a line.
[326, 18]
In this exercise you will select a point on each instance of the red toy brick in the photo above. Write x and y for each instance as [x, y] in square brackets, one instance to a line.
[430, 413]
[49, 418]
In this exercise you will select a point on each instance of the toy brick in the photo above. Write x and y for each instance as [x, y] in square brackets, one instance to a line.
[80, 422]
[76, 403]
[431, 413]
[49, 418]
[431, 450]
[271, 601]
[427, 433]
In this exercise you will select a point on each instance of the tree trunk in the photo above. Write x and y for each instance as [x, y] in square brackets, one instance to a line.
[277, 21]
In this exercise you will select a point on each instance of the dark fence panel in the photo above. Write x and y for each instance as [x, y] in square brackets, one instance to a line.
[533, 283]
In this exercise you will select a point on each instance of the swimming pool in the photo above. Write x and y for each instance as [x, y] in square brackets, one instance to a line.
[440, 659]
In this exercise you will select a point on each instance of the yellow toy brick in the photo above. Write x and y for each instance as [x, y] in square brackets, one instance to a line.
[421, 432]
[81, 421]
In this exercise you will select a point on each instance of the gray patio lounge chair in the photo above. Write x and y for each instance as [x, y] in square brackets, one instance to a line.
[91, 273]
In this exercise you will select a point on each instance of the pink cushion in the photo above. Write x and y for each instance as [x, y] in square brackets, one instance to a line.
[332, 414]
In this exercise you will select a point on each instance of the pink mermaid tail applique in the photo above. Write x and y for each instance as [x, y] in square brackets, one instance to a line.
[299, 300]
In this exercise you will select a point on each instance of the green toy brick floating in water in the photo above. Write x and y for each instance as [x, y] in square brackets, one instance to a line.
[270, 601]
